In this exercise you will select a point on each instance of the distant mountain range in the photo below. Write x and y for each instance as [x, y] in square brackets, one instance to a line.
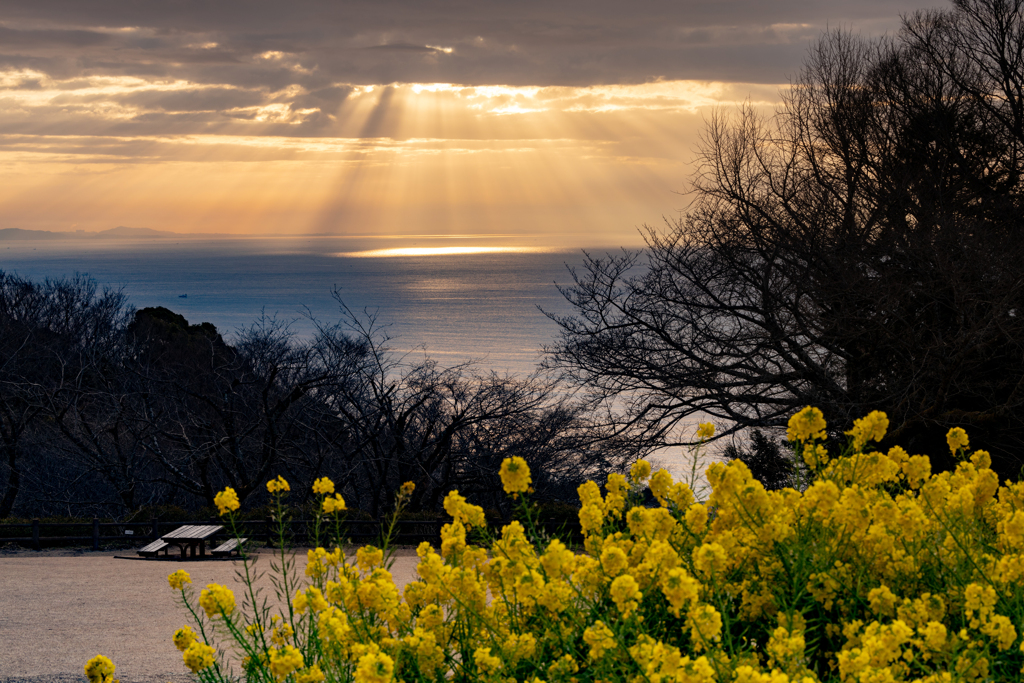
[120, 232]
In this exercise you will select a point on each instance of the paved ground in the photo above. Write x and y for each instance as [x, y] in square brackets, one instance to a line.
[60, 608]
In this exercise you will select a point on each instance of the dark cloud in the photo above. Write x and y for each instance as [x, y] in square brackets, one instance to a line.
[60, 39]
[262, 67]
[405, 47]
[528, 42]
[210, 99]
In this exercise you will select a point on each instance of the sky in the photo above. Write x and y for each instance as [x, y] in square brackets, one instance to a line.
[572, 121]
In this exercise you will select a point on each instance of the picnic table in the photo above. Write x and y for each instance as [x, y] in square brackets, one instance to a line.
[188, 540]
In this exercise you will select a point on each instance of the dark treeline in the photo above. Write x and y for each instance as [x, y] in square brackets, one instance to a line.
[108, 410]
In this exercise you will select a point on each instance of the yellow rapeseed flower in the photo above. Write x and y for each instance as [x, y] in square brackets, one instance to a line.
[178, 579]
[515, 475]
[679, 588]
[882, 601]
[591, 519]
[806, 425]
[934, 635]
[406, 489]
[486, 663]
[374, 667]
[277, 485]
[614, 560]
[284, 661]
[282, 634]
[600, 639]
[590, 494]
[705, 625]
[323, 486]
[815, 455]
[99, 669]
[563, 668]
[226, 501]
[956, 438]
[369, 557]
[661, 485]
[335, 504]
[615, 500]
[640, 471]
[217, 600]
[705, 430]
[464, 512]
[1000, 629]
[311, 675]
[626, 594]
[709, 559]
[184, 637]
[870, 428]
[199, 656]
[786, 645]
[300, 603]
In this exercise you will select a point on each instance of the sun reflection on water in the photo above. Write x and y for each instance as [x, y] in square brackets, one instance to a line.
[442, 251]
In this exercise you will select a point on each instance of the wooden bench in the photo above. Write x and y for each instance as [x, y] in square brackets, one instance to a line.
[154, 549]
[227, 547]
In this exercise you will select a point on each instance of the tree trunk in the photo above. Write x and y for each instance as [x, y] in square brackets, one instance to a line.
[13, 482]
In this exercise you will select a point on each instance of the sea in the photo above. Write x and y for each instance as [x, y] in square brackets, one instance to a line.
[452, 301]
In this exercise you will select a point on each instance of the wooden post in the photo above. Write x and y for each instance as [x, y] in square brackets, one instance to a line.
[35, 534]
[95, 533]
[156, 529]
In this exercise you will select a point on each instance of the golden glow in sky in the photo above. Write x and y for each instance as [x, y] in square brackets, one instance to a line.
[592, 162]
[576, 122]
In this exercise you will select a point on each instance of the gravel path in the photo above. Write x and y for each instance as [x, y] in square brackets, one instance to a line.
[60, 608]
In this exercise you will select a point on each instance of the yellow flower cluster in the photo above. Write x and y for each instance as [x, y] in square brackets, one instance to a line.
[217, 600]
[333, 504]
[100, 669]
[184, 637]
[226, 501]
[178, 579]
[956, 439]
[285, 661]
[311, 675]
[278, 485]
[807, 425]
[323, 486]
[199, 656]
[875, 570]
[870, 428]
[515, 475]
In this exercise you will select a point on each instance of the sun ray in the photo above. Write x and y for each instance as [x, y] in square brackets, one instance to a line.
[400, 157]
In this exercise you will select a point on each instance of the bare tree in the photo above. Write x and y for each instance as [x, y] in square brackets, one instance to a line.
[56, 337]
[443, 427]
[858, 250]
[215, 415]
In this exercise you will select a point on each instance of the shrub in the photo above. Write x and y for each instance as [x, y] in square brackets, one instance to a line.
[873, 569]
